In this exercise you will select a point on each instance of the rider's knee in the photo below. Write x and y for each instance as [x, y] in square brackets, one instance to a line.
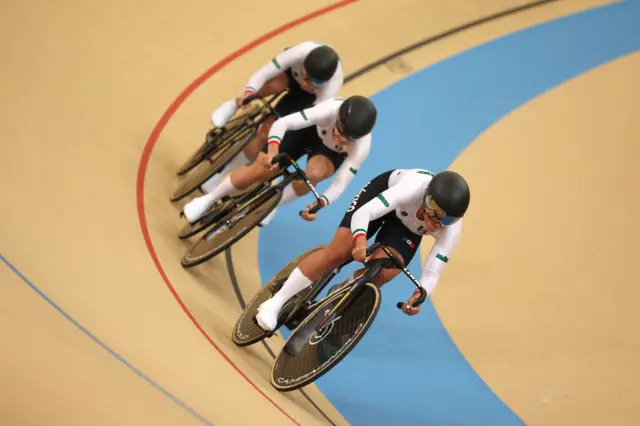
[316, 175]
[318, 172]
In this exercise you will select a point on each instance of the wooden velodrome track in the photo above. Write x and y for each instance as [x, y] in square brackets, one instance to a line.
[94, 126]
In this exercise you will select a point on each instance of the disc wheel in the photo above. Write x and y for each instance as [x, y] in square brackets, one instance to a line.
[246, 332]
[243, 219]
[206, 169]
[216, 136]
[308, 355]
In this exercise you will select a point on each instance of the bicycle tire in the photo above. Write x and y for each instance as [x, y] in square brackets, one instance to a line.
[203, 250]
[245, 332]
[206, 169]
[208, 148]
[315, 371]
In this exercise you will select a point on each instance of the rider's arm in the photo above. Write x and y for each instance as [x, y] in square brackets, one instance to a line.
[276, 66]
[299, 120]
[347, 171]
[387, 201]
[439, 256]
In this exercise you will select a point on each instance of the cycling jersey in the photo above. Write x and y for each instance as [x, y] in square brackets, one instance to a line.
[324, 116]
[400, 194]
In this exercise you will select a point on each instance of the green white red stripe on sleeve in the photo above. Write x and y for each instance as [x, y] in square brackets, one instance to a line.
[359, 232]
[274, 139]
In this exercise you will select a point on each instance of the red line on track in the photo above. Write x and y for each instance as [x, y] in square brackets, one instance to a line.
[153, 139]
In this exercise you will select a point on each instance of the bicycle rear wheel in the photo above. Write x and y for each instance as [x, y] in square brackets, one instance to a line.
[308, 356]
[216, 136]
[246, 332]
[219, 210]
[244, 218]
[206, 169]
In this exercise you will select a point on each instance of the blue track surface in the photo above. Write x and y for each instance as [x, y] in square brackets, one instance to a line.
[407, 370]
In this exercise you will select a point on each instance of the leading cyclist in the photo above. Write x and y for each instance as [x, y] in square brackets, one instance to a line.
[401, 206]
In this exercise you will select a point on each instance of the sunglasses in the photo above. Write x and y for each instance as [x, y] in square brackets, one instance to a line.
[311, 81]
[443, 218]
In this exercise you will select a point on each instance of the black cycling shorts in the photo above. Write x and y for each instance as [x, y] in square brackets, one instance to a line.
[296, 99]
[390, 230]
[297, 143]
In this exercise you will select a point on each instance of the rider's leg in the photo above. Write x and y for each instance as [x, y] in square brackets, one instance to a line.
[319, 168]
[322, 261]
[221, 116]
[309, 270]
[250, 152]
[231, 184]
[244, 157]
[403, 243]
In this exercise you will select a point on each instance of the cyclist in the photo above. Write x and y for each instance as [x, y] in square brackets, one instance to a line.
[401, 206]
[336, 136]
[311, 72]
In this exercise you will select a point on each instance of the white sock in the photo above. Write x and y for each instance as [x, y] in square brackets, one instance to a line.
[212, 183]
[294, 284]
[238, 161]
[288, 195]
[224, 189]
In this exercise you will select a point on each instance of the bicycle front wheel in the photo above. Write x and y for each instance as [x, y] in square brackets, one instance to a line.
[206, 169]
[308, 355]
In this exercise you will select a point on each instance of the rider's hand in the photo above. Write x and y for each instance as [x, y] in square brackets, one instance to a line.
[240, 100]
[408, 308]
[359, 251]
[265, 161]
[308, 216]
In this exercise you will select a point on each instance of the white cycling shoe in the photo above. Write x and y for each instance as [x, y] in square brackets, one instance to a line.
[220, 116]
[267, 317]
[197, 207]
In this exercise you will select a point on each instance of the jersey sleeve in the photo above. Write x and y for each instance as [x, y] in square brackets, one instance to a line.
[299, 120]
[347, 171]
[385, 202]
[439, 256]
[277, 65]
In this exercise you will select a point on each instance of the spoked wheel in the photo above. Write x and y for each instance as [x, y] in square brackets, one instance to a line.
[215, 137]
[228, 149]
[308, 355]
[219, 210]
[233, 226]
[246, 332]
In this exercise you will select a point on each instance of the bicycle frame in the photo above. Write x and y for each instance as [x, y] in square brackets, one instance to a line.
[230, 220]
[246, 124]
[373, 267]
